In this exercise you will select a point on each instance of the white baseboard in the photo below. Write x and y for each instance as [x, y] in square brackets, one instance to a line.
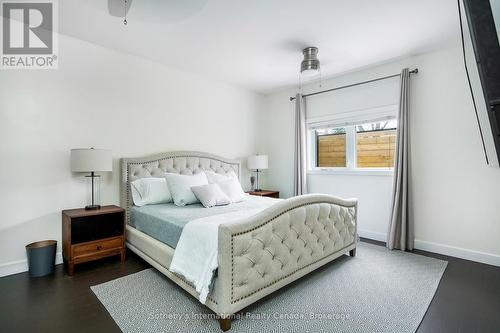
[20, 266]
[448, 250]
[458, 252]
[374, 235]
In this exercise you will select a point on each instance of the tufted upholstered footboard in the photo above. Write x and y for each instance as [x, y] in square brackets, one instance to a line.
[267, 251]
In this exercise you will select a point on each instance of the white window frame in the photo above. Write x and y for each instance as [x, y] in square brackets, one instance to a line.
[347, 120]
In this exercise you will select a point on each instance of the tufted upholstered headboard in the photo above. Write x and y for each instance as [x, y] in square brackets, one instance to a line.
[182, 162]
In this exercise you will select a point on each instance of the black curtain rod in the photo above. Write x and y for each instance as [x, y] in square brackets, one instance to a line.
[415, 71]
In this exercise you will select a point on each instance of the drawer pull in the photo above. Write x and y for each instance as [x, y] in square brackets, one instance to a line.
[100, 247]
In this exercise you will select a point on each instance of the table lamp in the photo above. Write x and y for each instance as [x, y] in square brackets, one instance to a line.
[257, 163]
[92, 160]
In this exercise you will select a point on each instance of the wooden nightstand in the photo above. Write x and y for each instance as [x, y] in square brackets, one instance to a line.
[266, 193]
[92, 234]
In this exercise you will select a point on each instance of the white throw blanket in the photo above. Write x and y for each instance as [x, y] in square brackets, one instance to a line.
[195, 257]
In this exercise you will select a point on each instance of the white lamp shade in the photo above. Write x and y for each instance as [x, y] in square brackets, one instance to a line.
[90, 159]
[259, 162]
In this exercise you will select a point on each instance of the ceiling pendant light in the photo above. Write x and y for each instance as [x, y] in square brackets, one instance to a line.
[310, 66]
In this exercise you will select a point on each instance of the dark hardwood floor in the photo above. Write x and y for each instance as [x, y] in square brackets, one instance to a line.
[61, 303]
[467, 300]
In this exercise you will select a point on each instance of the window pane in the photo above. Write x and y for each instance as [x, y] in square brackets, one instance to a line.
[376, 144]
[331, 147]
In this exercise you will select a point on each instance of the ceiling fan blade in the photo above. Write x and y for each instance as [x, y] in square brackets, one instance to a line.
[117, 7]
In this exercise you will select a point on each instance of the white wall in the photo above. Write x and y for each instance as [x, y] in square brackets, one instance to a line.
[456, 196]
[105, 99]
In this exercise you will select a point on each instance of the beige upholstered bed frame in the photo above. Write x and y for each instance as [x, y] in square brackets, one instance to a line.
[259, 254]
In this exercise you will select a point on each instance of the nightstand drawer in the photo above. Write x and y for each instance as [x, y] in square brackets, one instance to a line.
[97, 246]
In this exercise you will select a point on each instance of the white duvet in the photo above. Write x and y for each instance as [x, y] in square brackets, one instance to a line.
[195, 257]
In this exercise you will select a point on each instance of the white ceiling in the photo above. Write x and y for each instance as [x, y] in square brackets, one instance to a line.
[257, 44]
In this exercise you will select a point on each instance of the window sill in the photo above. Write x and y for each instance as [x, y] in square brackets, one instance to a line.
[352, 172]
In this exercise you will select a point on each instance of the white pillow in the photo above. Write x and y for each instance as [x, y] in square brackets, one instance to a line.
[210, 195]
[215, 178]
[232, 188]
[150, 191]
[180, 187]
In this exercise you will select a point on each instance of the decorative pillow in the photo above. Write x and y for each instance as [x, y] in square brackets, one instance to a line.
[232, 188]
[150, 191]
[210, 195]
[215, 178]
[180, 187]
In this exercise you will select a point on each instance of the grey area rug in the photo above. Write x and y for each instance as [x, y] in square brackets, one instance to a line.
[376, 291]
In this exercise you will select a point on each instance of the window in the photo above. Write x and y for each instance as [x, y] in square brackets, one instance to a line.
[331, 147]
[357, 145]
[376, 144]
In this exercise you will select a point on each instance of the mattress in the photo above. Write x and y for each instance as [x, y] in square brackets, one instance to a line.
[164, 222]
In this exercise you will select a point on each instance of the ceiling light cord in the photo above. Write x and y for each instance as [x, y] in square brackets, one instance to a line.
[125, 14]
[300, 82]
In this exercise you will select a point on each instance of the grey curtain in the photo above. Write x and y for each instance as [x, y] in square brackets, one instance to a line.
[300, 166]
[401, 235]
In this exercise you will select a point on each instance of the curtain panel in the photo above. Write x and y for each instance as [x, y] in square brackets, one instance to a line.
[401, 234]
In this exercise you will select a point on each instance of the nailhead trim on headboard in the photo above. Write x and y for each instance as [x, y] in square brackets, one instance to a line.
[235, 164]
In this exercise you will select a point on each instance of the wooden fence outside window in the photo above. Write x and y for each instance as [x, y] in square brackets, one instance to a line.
[374, 149]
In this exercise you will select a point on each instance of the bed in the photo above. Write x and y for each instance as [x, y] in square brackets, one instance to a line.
[256, 255]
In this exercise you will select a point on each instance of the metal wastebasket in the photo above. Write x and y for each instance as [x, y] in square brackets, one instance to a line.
[41, 257]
